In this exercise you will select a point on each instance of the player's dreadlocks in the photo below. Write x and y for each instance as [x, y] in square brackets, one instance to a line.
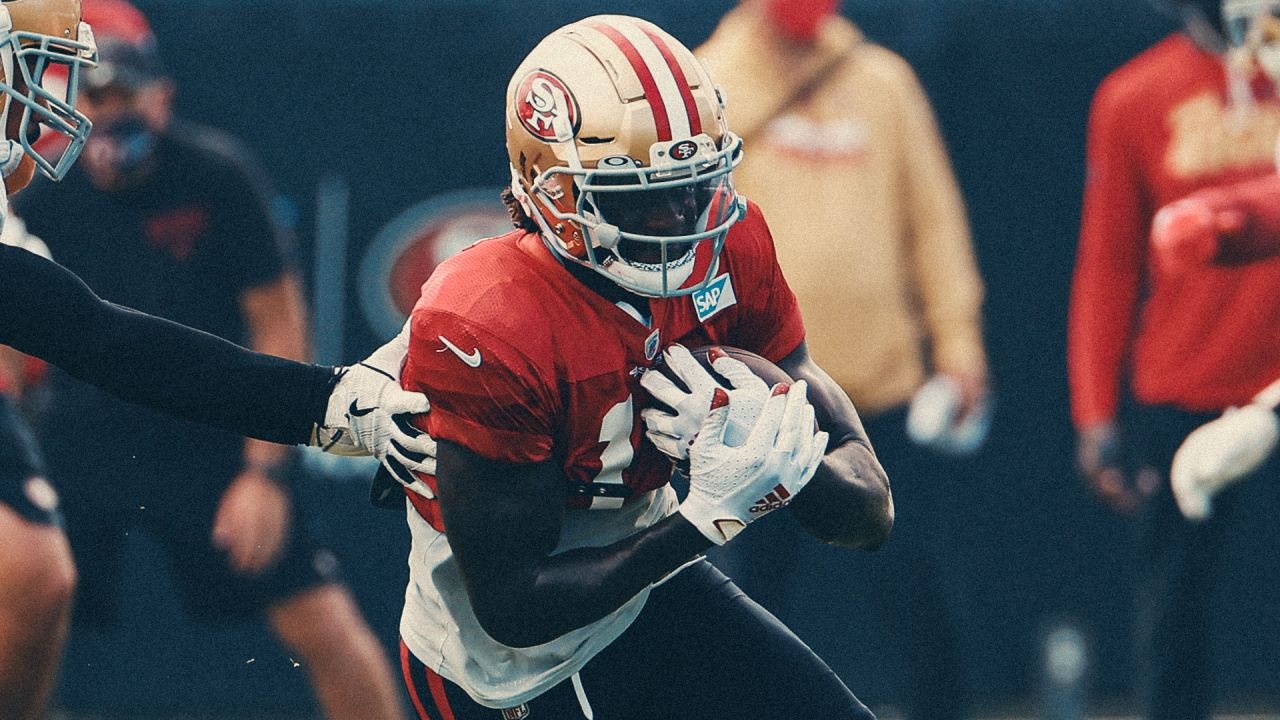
[519, 217]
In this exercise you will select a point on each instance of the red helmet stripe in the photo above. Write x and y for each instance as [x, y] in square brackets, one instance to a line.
[686, 93]
[650, 86]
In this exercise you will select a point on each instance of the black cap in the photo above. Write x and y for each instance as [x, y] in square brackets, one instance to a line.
[124, 65]
[1210, 10]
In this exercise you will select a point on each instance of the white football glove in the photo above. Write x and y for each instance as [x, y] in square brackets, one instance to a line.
[369, 414]
[1219, 453]
[732, 486]
[674, 434]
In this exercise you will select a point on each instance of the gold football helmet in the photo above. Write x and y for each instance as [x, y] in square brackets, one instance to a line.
[621, 154]
[37, 36]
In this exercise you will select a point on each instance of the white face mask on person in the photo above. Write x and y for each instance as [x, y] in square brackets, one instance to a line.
[1268, 58]
[122, 147]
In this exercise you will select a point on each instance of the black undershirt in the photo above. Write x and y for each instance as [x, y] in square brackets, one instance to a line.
[47, 312]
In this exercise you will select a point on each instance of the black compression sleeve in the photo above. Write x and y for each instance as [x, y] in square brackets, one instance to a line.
[46, 311]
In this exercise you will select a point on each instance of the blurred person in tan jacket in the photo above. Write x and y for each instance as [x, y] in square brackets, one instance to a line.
[844, 155]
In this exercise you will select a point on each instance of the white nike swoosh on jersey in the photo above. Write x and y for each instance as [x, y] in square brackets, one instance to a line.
[472, 359]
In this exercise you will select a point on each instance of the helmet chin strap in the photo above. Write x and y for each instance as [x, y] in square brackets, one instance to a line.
[607, 236]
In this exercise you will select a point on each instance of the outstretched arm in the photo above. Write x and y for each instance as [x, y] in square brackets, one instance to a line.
[48, 312]
[850, 475]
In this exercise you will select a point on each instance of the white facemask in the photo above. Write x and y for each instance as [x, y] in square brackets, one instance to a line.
[11, 153]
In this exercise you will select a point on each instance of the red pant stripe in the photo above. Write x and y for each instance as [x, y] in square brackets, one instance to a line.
[406, 668]
[436, 683]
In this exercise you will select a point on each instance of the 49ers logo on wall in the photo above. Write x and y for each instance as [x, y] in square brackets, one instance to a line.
[546, 107]
[404, 253]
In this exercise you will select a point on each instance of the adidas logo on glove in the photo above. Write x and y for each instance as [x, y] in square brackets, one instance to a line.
[775, 500]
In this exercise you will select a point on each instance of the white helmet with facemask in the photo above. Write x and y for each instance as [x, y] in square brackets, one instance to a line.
[39, 38]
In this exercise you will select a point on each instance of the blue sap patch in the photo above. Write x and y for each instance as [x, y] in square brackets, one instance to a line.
[716, 296]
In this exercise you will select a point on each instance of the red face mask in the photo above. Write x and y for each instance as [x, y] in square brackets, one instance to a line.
[799, 20]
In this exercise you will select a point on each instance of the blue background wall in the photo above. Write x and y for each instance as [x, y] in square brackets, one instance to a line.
[404, 99]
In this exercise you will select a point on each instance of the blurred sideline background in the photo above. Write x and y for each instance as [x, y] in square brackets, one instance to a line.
[380, 122]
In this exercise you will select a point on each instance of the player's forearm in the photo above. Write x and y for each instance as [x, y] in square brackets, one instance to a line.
[195, 375]
[51, 314]
[504, 523]
[573, 589]
[1099, 329]
[850, 477]
[1111, 260]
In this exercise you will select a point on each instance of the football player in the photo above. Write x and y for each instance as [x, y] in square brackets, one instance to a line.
[49, 313]
[553, 571]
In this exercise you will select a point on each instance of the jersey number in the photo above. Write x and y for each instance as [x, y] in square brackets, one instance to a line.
[618, 453]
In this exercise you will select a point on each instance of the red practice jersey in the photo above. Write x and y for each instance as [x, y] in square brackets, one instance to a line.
[1162, 128]
[524, 363]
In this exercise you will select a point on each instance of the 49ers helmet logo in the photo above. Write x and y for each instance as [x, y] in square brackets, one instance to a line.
[546, 107]
[684, 150]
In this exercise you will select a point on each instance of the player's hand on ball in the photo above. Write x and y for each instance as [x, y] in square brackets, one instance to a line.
[369, 414]
[1219, 453]
[732, 484]
[674, 432]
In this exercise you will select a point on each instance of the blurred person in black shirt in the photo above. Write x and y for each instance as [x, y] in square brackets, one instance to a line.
[173, 219]
[50, 313]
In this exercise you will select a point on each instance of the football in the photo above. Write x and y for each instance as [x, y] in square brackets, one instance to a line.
[762, 367]
[825, 513]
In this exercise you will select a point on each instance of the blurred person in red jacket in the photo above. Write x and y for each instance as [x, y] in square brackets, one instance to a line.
[1152, 353]
[1226, 226]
